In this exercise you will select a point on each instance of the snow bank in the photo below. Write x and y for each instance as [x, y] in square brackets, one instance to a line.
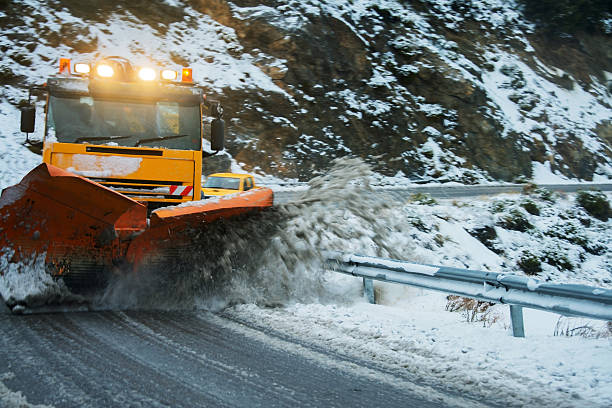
[27, 283]
[414, 337]
[12, 399]
[409, 332]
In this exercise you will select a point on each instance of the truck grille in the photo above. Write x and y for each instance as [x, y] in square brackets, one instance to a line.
[148, 189]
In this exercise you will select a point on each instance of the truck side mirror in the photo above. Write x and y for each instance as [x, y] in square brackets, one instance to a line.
[28, 118]
[217, 134]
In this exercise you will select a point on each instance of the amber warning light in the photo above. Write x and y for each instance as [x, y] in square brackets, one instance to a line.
[64, 66]
[186, 75]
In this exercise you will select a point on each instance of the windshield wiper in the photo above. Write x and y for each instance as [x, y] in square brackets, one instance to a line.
[98, 138]
[155, 139]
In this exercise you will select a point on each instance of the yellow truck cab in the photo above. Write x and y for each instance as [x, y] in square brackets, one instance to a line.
[219, 184]
[135, 130]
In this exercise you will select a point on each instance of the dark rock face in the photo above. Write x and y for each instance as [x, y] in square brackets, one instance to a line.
[418, 94]
[461, 92]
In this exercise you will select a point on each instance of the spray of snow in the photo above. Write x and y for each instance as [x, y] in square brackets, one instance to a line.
[27, 283]
[273, 257]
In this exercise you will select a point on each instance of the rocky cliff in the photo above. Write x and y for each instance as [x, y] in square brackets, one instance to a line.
[432, 89]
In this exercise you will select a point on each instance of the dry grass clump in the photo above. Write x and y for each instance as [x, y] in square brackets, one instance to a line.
[473, 310]
[570, 327]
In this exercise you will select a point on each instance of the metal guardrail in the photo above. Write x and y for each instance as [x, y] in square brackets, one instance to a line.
[444, 191]
[514, 290]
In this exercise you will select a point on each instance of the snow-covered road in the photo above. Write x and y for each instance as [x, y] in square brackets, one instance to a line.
[286, 194]
[301, 355]
[283, 333]
[186, 359]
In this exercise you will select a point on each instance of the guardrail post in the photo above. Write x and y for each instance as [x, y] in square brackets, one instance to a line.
[516, 316]
[368, 290]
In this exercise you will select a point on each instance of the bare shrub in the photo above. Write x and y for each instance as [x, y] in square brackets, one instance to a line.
[422, 199]
[529, 263]
[570, 327]
[515, 220]
[473, 310]
[529, 188]
[595, 203]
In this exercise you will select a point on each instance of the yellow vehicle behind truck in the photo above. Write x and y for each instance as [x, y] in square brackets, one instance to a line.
[219, 184]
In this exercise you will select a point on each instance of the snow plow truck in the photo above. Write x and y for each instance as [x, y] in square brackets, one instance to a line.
[120, 175]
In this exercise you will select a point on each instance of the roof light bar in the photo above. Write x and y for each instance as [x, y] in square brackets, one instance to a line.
[120, 69]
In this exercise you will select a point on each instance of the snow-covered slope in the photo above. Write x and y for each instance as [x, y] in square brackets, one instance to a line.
[433, 89]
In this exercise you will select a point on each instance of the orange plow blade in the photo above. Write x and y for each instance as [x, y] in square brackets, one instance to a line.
[76, 223]
[85, 230]
[173, 228]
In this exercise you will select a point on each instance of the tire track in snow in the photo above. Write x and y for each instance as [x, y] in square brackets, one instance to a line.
[180, 358]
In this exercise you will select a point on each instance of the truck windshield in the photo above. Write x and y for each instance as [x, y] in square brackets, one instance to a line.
[152, 124]
[227, 183]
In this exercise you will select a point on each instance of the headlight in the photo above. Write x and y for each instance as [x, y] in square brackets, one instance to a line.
[168, 75]
[105, 71]
[147, 74]
[81, 68]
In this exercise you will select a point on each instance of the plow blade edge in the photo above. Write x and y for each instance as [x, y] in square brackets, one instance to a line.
[172, 229]
[84, 230]
[80, 225]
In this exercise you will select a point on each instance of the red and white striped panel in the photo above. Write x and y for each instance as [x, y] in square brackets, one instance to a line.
[181, 190]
